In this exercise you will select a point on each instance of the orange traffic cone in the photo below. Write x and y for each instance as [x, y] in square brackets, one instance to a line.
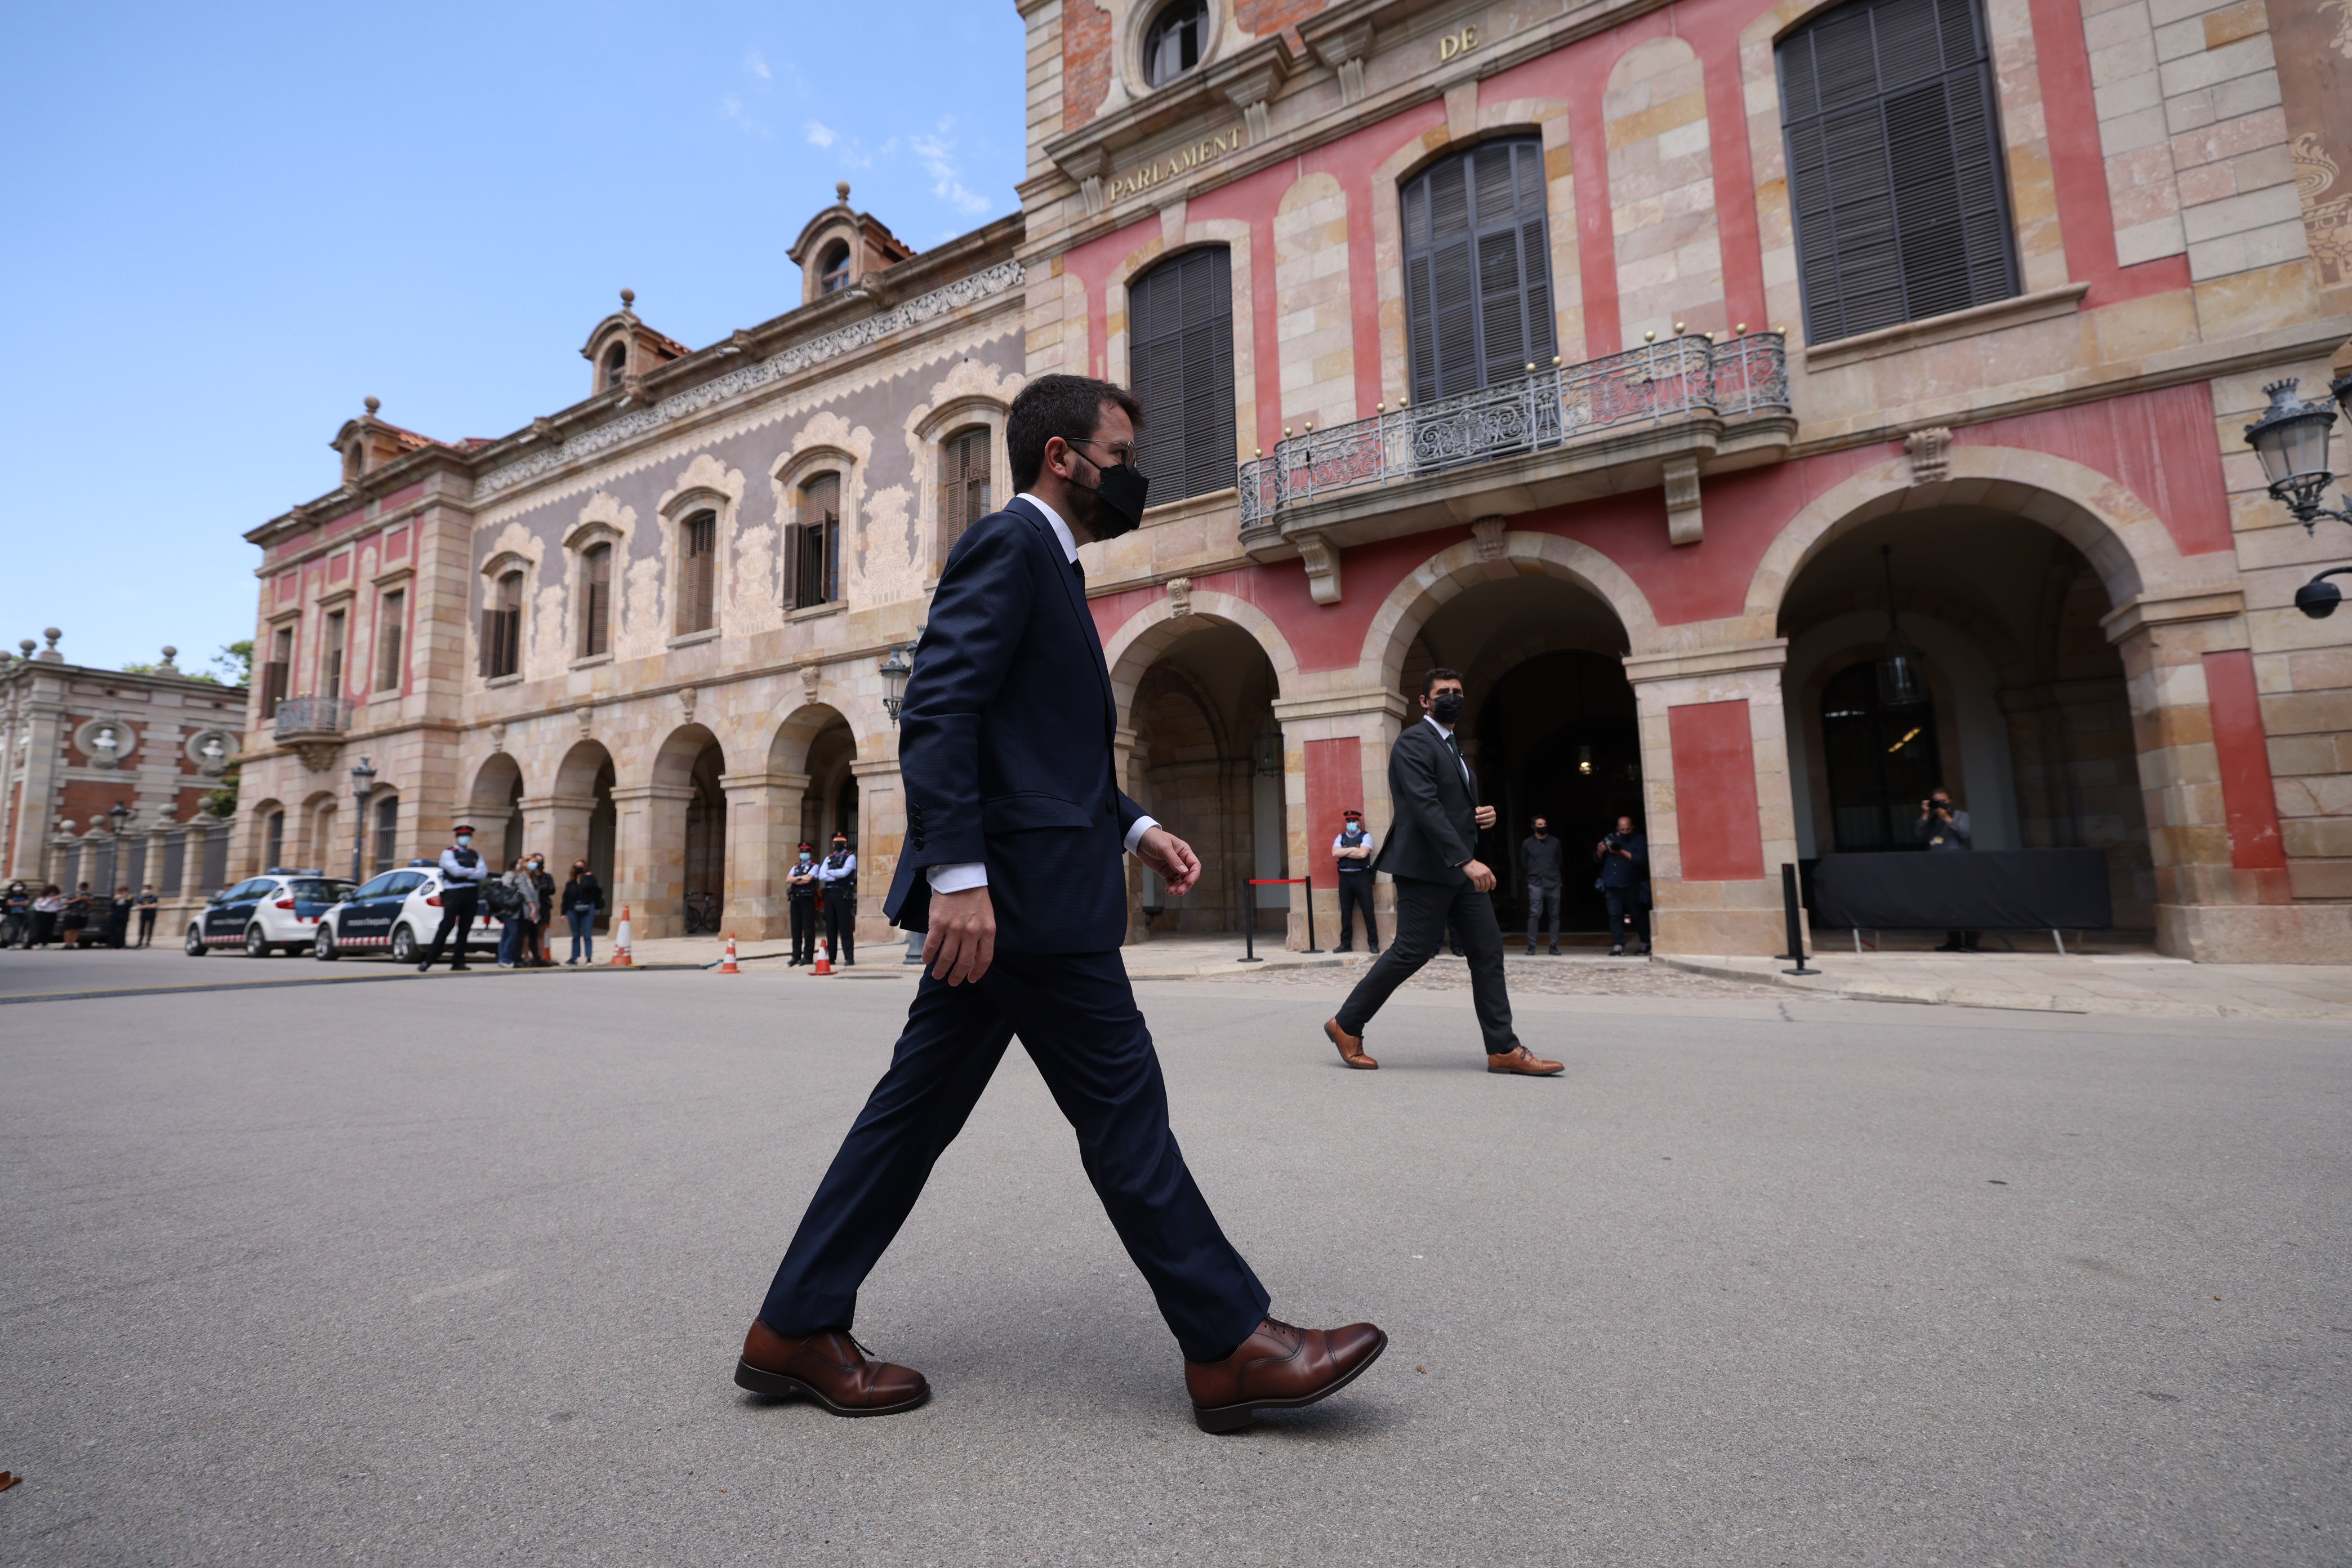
[729, 967]
[823, 962]
[621, 959]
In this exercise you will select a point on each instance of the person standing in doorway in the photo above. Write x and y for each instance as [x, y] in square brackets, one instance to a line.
[463, 872]
[1540, 874]
[583, 899]
[1623, 858]
[1947, 831]
[837, 880]
[800, 892]
[146, 903]
[1023, 900]
[1433, 853]
[1353, 850]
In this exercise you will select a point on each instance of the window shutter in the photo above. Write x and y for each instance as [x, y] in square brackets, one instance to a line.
[1180, 367]
[490, 656]
[964, 485]
[1478, 270]
[1894, 165]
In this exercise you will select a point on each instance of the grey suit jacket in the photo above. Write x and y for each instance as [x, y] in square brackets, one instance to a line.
[1437, 827]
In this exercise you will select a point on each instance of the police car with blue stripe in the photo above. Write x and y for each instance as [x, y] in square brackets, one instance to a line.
[273, 913]
[395, 913]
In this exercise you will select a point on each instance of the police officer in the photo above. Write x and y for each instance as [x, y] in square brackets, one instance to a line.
[800, 891]
[463, 872]
[1353, 850]
[838, 877]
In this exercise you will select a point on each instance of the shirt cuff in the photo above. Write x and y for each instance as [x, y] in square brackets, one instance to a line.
[1143, 824]
[959, 878]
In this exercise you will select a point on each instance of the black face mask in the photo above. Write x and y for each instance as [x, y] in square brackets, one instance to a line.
[1446, 707]
[1119, 492]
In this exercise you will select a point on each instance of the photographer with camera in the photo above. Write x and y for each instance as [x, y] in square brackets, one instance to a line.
[1946, 829]
[1623, 858]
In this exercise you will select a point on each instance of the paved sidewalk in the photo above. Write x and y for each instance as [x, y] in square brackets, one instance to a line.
[1162, 958]
[2131, 983]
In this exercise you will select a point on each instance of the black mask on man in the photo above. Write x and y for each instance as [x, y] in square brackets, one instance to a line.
[1446, 707]
[1120, 491]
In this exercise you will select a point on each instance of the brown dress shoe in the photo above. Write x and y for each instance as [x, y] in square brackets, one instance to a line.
[1351, 1047]
[1278, 1368]
[830, 1368]
[1524, 1062]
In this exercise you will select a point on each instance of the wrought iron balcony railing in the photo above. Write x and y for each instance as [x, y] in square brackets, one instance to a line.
[1653, 384]
[312, 716]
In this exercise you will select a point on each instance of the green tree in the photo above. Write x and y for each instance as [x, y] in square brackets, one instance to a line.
[235, 662]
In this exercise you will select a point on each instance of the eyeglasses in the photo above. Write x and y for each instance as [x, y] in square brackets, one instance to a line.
[1120, 451]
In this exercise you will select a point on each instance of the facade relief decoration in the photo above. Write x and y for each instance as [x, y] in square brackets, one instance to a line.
[107, 740]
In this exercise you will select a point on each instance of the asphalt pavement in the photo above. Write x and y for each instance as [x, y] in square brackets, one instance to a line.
[360, 1273]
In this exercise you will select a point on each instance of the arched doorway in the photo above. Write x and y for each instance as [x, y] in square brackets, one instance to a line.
[2025, 718]
[830, 804]
[680, 851]
[705, 869]
[1208, 763]
[1553, 730]
[494, 807]
[584, 825]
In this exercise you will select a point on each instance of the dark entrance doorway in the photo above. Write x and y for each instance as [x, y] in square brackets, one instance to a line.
[1883, 761]
[1558, 739]
[706, 843]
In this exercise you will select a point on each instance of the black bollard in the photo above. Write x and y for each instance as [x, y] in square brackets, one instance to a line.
[1796, 921]
[1249, 923]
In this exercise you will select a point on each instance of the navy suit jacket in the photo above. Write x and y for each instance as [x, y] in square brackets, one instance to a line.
[1436, 825]
[1005, 745]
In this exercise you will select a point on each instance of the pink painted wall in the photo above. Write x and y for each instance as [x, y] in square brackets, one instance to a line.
[1715, 792]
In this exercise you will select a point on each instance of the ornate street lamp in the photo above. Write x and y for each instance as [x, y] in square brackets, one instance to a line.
[2291, 438]
[362, 786]
[1899, 685]
[894, 671]
[118, 818]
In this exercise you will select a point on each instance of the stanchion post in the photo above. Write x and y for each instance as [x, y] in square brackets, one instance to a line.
[1796, 921]
[1309, 884]
[1249, 923]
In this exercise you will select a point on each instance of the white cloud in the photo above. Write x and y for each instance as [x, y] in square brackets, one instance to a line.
[758, 67]
[937, 153]
[731, 108]
[821, 134]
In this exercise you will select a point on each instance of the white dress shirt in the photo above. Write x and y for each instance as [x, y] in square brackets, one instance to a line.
[968, 874]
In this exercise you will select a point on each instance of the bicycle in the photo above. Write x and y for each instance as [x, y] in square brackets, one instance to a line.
[702, 910]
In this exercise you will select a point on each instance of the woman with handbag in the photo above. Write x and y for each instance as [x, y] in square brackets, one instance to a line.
[514, 899]
[583, 896]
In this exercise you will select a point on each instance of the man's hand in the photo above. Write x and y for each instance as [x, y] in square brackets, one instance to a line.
[1171, 857]
[962, 943]
[1480, 878]
[1484, 816]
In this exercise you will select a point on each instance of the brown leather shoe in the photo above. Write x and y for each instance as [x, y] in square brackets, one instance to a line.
[1351, 1047]
[1524, 1062]
[830, 1368]
[1278, 1368]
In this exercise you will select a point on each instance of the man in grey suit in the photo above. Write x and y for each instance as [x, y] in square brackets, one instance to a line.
[1432, 852]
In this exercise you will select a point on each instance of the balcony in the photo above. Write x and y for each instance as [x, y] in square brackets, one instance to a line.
[1657, 414]
[313, 726]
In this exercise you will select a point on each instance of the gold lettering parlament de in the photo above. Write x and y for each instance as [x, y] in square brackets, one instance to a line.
[1181, 161]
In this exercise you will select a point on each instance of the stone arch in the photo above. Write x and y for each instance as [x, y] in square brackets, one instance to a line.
[1427, 587]
[788, 748]
[1152, 630]
[2126, 543]
[493, 806]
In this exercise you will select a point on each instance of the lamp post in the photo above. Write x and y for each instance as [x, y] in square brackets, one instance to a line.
[118, 818]
[2291, 438]
[894, 671]
[362, 786]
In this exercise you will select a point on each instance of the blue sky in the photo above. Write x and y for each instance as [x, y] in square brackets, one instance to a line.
[227, 225]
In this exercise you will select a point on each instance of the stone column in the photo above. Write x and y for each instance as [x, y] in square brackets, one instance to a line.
[159, 850]
[1715, 772]
[763, 830]
[1335, 755]
[557, 826]
[881, 834]
[649, 858]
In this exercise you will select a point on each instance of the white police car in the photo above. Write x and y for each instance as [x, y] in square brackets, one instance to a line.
[395, 913]
[273, 913]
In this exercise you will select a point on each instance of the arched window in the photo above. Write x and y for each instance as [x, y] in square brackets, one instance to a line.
[1180, 321]
[815, 556]
[698, 572]
[832, 268]
[1477, 268]
[617, 362]
[1172, 45]
[1882, 762]
[595, 600]
[1894, 165]
[964, 500]
[502, 628]
[387, 831]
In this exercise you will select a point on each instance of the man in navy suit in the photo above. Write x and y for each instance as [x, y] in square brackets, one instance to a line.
[1012, 867]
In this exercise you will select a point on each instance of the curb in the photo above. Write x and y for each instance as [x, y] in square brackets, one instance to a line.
[2005, 1001]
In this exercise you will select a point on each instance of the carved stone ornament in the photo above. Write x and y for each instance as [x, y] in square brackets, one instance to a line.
[1322, 563]
[212, 751]
[1930, 452]
[107, 740]
[1684, 525]
[1344, 52]
[1179, 597]
[587, 717]
[543, 457]
[1489, 532]
[686, 700]
[810, 675]
[318, 755]
[498, 736]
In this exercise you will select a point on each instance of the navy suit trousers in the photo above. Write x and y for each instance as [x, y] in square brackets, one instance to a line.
[1076, 1015]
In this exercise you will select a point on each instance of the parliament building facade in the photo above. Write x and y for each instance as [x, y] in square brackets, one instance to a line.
[1664, 368]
